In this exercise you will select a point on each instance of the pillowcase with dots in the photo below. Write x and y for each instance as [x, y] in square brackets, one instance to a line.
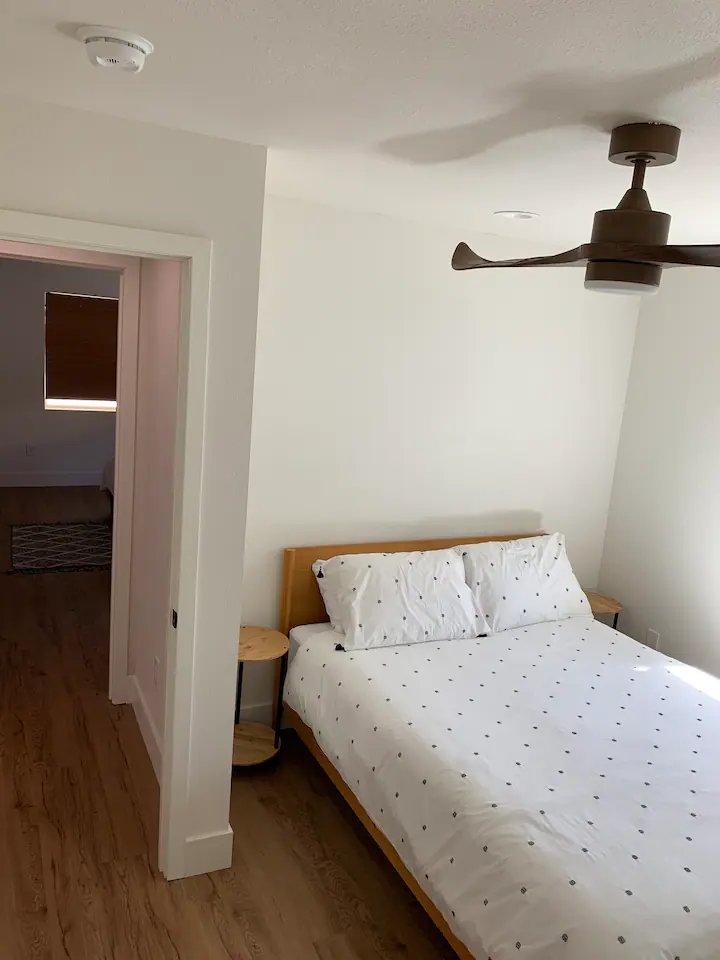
[386, 599]
[518, 582]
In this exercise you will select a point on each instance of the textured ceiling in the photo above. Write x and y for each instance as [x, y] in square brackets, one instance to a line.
[438, 109]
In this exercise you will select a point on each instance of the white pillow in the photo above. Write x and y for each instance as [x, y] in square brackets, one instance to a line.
[517, 582]
[385, 599]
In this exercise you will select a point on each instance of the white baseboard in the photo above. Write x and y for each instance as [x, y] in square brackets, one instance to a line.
[123, 691]
[147, 727]
[92, 479]
[208, 852]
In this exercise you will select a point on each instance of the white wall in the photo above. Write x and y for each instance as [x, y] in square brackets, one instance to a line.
[661, 550]
[397, 398]
[66, 448]
[157, 393]
[74, 164]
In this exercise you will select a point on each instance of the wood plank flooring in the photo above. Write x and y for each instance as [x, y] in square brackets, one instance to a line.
[79, 807]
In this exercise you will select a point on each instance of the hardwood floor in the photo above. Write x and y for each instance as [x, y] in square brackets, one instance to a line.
[79, 807]
[321, 888]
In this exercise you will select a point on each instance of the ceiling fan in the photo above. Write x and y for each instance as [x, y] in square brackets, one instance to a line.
[628, 247]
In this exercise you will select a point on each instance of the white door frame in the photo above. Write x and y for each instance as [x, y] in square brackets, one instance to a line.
[196, 255]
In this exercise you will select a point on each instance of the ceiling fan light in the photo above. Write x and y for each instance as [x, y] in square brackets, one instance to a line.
[626, 287]
[621, 276]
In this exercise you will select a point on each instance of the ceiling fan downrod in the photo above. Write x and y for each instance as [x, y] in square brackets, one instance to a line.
[640, 165]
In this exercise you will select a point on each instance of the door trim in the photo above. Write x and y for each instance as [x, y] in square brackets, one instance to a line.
[120, 687]
[195, 253]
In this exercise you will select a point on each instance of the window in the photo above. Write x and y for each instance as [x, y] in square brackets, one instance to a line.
[80, 352]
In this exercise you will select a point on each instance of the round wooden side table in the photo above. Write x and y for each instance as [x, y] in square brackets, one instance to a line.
[609, 606]
[257, 742]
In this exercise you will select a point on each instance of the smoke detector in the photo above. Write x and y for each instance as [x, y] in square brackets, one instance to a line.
[115, 49]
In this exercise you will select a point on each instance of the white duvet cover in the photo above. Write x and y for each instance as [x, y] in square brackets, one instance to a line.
[555, 788]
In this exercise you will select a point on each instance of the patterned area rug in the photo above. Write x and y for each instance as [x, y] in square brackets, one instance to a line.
[61, 547]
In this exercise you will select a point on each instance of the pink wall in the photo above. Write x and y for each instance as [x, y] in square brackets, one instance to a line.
[154, 472]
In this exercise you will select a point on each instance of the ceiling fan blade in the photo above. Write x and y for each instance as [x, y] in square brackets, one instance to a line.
[466, 259]
[693, 255]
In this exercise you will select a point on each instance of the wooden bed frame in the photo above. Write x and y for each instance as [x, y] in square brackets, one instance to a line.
[301, 604]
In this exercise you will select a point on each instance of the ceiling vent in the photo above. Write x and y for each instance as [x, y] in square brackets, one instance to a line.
[115, 49]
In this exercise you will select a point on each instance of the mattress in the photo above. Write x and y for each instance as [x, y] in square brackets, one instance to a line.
[554, 789]
[299, 636]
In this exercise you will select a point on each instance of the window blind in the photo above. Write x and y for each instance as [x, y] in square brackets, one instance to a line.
[80, 347]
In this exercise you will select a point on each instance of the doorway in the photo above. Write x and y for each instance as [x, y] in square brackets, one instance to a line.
[154, 440]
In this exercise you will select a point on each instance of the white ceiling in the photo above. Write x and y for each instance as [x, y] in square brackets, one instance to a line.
[438, 109]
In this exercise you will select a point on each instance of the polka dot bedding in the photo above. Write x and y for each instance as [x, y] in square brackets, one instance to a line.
[555, 789]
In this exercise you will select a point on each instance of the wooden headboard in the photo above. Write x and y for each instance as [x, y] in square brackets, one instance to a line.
[301, 599]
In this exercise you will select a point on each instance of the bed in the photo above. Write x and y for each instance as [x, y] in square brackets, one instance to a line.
[550, 791]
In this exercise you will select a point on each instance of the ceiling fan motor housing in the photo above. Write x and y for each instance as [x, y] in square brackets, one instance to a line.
[631, 222]
[639, 145]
